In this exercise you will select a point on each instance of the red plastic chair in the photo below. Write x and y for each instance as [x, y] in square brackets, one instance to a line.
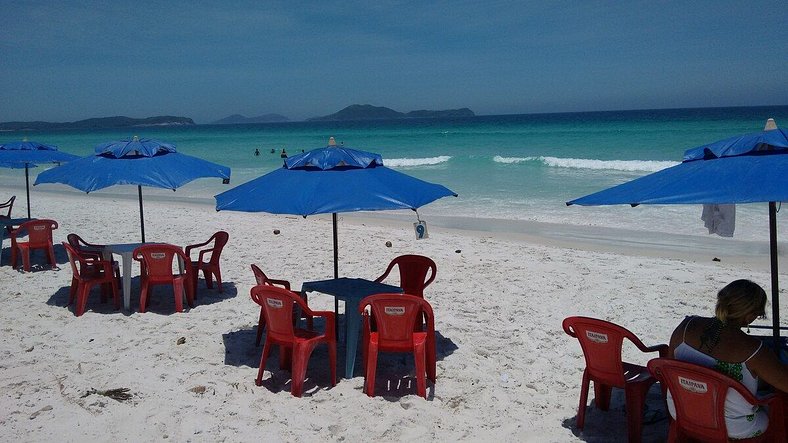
[413, 273]
[88, 271]
[156, 268]
[93, 250]
[395, 317]
[295, 344]
[699, 395]
[39, 236]
[210, 265]
[602, 342]
[263, 279]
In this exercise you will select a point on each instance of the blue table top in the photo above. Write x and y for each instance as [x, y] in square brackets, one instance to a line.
[349, 287]
[13, 221]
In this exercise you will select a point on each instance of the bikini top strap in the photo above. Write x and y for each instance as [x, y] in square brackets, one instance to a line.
[756, 351]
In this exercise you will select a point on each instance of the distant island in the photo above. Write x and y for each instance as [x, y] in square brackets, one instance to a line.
[238, 119]
[369, 112]
[98, 123]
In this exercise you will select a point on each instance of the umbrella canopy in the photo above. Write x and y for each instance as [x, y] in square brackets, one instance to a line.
[331, 180]
[140, 162]
[29, 154]
[745, 169]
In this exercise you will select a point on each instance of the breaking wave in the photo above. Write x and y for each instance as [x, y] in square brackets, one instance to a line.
[581, 163]
[406, 162]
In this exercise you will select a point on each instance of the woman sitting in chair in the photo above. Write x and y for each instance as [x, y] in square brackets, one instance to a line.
[718, 342]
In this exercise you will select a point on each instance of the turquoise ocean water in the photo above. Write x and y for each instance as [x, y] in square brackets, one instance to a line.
[517, 167]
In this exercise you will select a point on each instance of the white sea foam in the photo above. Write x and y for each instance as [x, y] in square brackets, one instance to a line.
[407, 162]
[581, 163]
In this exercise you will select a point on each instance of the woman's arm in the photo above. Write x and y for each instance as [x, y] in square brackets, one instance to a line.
[765, 365]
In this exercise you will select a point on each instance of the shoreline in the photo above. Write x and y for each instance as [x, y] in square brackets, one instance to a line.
[748, 254]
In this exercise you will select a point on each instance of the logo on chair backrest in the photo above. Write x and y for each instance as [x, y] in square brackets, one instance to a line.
[274, 303]
[39, 228]
[394, 310]
[158, 255]
[596, 337]
[693, 385]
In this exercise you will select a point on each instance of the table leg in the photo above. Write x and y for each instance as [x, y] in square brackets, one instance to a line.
[126, 280]
[352, 328]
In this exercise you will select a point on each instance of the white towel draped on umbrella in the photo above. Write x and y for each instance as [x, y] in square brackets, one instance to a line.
[719, 219]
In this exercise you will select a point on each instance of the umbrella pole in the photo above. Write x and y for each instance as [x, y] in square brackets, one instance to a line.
[775, 274]
[336, 272]
[142, 218]
[27, 188]
[336, 247]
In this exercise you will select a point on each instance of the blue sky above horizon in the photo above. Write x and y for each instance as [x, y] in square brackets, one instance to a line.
[65, 61]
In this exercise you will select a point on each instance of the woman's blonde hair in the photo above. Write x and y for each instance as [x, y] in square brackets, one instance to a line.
[739, 299]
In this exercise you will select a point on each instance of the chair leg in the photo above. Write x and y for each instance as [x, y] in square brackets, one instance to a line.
[301, 353]
[431, 359]
[144, 295]
[115, 293]
[260, 326]
[332, 361]
[266, 351]
[218, 275]
[635, 399]
[25, 252]
[421, 370]
[177, 288]
[82, 299]
[602, 396]
[72, 293]
[372, 366]
[14, 253]
[206, 273]
[51, 258]
[581, 411]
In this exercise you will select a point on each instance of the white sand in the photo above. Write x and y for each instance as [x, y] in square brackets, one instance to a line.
[506, 370]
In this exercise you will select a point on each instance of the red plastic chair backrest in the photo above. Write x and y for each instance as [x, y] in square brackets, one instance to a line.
[278, 304]
[73, 258]
[7, 205]
[601, 342]
[413, 270]
[158, 259]
[260, 276]
[220, 238]
[39, 232]
[699, 396]
[395, 317]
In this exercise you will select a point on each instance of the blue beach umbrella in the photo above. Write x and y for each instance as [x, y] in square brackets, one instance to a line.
[29, 154]
[750, 168]
[140, 162]
[331, 180]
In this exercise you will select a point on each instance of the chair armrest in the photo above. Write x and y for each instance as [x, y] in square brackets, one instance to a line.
[202, 254]
[330, 321]
[283, 283]
[188, 249]
[661, 348]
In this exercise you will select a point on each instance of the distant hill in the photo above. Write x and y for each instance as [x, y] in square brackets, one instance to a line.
[98, 123]
[369, 112]
[238, 119]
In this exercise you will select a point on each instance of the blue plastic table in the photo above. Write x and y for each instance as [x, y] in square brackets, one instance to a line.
[4, 222]
[350, 291]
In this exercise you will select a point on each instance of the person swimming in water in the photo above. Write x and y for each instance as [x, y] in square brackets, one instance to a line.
[283, 154]
[256, 152]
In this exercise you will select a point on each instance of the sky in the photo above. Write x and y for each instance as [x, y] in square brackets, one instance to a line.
[64, 61]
